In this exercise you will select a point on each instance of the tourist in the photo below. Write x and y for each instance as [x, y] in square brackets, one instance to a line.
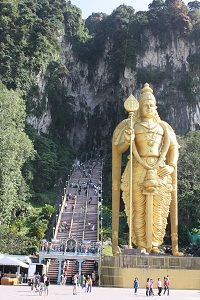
[89, 284]
[75, 282]
[135, 285]
[46, 287]
[166, 285]
[159, 286]
[41, 284]
[148, 287]
[62, 278]
[32, 284]
[83, 282]
[36, 281]
[151, 287]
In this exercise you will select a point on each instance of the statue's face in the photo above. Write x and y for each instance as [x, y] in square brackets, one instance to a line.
[148, 109]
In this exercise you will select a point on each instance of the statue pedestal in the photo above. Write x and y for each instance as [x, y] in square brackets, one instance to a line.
[131, 252]
[120, 270]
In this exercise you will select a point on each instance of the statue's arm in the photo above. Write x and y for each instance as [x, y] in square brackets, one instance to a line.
[173, 152]
[123, 146]
[123, 141]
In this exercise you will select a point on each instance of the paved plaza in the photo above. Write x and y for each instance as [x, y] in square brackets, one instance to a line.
[57, 292]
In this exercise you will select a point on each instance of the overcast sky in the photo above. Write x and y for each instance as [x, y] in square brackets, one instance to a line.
[107, 6]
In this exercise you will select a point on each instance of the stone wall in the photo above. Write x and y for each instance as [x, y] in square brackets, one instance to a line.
[120, 271]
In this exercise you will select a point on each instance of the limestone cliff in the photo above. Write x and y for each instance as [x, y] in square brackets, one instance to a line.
[99, 100]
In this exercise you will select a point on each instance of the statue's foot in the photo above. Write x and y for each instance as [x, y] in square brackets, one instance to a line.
[143, 250]
[115, 251]
[156, 250]
[177, 253]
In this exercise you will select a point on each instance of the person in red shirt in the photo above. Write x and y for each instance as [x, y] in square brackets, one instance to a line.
[166, 285]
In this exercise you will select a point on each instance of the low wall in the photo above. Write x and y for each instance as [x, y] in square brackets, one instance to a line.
[8, 281]
[120, 271]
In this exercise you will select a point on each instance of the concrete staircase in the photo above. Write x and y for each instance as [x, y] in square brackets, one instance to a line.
[79, 221]
[53, 271]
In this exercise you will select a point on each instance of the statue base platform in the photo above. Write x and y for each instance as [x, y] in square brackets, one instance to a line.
[121, 270]
[131, 252]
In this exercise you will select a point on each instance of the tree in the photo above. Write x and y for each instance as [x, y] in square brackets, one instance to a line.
[157, 4]
[194, 5]
[74, 25]
[175, 3]
[194, 13]
[13, 242]
[29, 33]
[15, 149]
[189, 181]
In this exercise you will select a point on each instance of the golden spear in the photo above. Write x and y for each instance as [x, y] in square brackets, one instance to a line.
[131, 105]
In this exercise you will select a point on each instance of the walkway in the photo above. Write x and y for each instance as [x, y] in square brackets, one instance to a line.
[57, 292]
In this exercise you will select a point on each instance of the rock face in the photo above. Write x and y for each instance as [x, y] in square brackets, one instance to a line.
[99, 100]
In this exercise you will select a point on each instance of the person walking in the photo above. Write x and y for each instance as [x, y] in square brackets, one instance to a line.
[151, 288]
[148, 287]
[32, 284]
[89, 284]
[46, 287]
[37, 281]
[166, 285]
[135, 285]
[159, 286]
[42, 281]
[75, 284]
[83, 282]
[62, 279]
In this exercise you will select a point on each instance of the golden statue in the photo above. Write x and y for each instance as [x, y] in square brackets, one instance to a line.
[149, 182]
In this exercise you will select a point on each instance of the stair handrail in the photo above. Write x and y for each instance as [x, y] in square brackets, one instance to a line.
[61, 206]
[85, 219]
[86, 205]
[72, 218]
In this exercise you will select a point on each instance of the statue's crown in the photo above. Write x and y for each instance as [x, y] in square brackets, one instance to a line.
[146, 93]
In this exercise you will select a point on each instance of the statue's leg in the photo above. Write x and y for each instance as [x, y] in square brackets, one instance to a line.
[160, 213]
[139, 212]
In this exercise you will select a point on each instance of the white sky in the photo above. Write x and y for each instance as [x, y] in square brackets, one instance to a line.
[107, 6]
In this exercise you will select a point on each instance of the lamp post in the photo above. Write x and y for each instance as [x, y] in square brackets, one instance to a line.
[101, 226]
[101, 241]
